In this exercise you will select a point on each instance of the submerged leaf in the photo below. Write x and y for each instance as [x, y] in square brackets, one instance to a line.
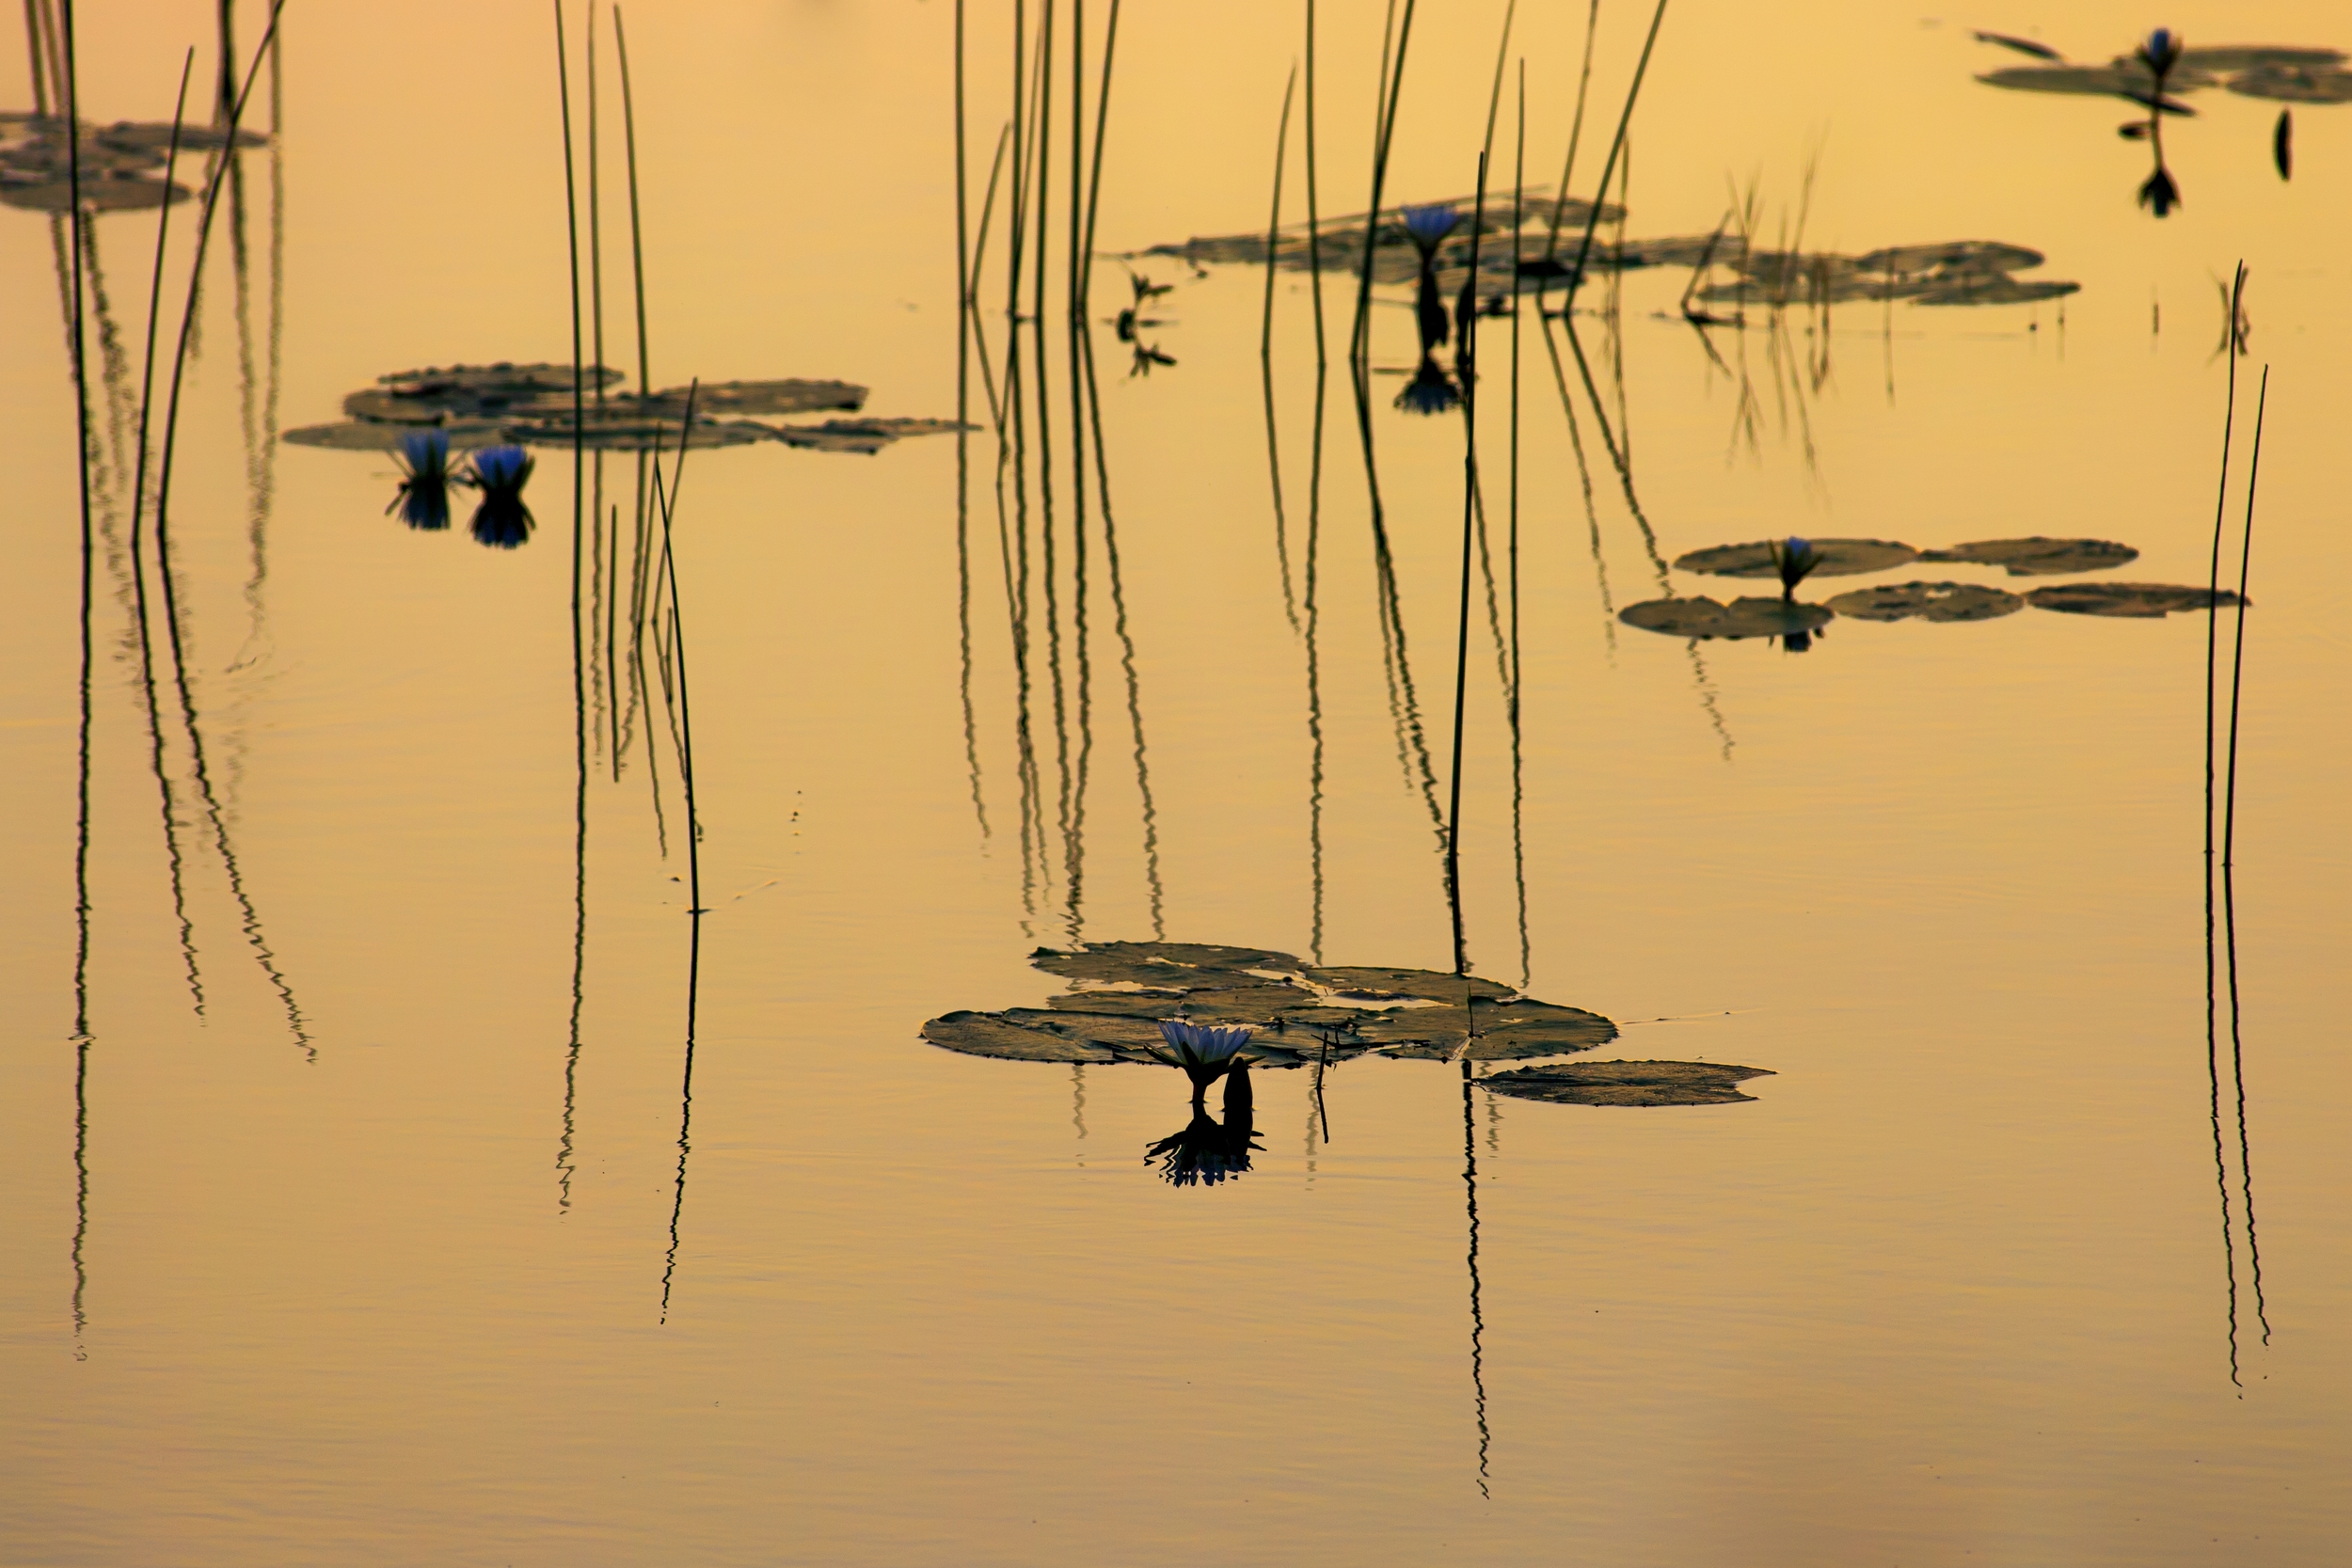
[2039, 557]
[1704, 617]
[1626, 1083]
[1928, 601]
[2135, 600]
[1839, 557]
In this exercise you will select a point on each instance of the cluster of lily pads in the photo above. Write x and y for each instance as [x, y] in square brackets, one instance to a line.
[1794, 560]
[121, 165]
[482, 406]
[1430, 245]
[2276, 74]
[1216, 1012]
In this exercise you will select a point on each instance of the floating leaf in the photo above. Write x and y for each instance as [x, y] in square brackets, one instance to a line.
[2288, 84]
[1626, 1083]
[157, 133]
[478, 392]
[2124, 77]
[105, 193]
[857, 436]
[2136, 600]
[1427, 984]
[1507, 1031]
[2024, 46]
[1995, 291]
[1704, 617]
[1839, 557]
[762, 397]
[1928, 601]
[2228, 57]
[1259, 1004]
[2038, 557]
[619, 429]
[1122, 1003]
[380, 436]
[1951, 256]
[992, 1035]
[1177, 965]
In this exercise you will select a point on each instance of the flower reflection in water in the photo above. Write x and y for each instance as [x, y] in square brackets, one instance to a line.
[1431, 390]
[502, 521]
[423, 501]
[1207, 1152]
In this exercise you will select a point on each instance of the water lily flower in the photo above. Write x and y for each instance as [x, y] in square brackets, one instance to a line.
[423, 501]
[1427, 226]
[1205, 1053]
[1795, 559]
[1430, 391]
[2161, 52]
[502, 521]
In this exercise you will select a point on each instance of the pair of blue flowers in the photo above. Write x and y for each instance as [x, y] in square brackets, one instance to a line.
[498, 473]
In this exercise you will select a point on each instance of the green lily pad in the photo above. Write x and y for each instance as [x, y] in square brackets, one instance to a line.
[992, 1035]
[1507, 1031]
[2294, 83]
[865, 437]
[1995, 291]
[1626, 1083]
[1839, 557]
[1928, 601]
[1168, 965]
[1704, 617]
[381, 436]
[2039, 557]
[624, 429]
[2122, 77]
[788, 396]
[2143, 601]
[103, 194]
[1427, 984]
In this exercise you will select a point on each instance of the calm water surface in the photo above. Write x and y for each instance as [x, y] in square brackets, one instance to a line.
[394, 1272]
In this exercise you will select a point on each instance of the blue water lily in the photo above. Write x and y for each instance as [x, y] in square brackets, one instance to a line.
[1795, 559]
[423, 501]
[1426, 226]
[502, 521]
[2161, 52]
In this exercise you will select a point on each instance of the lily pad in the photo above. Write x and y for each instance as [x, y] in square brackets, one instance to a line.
[2119, 79]
[1950, 256]
[619, 429]
[992, 1035]
[1995, 291]
[1259, 1004]
[105, 193]
[1704, 617]
[480, 391]
[1840, 558]
[1425, 984]
[2294, 83]
[865, 437]
[1507, 1031]
[157, 134]
[763, 396]
[1121, 1004]
[2143, 601]
[1168, 965]
[1626, 1083]
[1928, 601]
[381, 436]
[2038, 557]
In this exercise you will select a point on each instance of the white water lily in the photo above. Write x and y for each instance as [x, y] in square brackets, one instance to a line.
[1206, 1054]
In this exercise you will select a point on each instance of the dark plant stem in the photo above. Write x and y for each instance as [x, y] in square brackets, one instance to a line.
[1265, 352]
[1624, 120]
[1392, 89]
[1465, 361]
[1576, 134]
[2228, 844]
[1094, 179]
[2212, 622]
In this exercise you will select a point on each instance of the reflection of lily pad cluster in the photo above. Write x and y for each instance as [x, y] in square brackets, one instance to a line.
[1953, 272]
[1217, 1011]
[502, 404]
[121, 164]
[1785, 617]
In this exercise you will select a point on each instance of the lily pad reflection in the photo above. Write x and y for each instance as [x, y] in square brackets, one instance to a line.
[1928, 601]
[1839, 557]
[1628, 1082]
[1704, 617]
[2038, 557]
[2143, 601]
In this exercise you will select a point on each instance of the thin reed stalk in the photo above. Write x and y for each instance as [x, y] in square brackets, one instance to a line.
[2228, 844]
[1624, 120]
[666, 500]
[1392, 89]
[1094, 180]
[1465, 362]
[1576, 136]
[1265, 350]
[2212, 623]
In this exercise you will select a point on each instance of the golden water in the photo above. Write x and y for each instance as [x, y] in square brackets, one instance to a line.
[1953, 1288]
